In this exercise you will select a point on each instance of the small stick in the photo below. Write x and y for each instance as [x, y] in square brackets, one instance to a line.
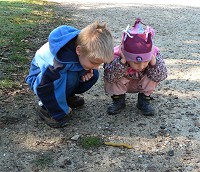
[118, 145]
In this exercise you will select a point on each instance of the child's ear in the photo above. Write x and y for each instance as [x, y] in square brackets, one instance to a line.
[78, 50]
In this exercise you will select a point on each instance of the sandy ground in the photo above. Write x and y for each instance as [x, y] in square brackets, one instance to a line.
[191, 3]
[166, 142]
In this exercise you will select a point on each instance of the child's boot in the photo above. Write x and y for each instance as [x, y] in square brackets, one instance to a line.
[117, 105]
[75, 101]
[143, 104]
[48, 119]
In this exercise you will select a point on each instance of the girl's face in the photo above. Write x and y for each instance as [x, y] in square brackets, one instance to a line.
[86, 63]
[138, 66]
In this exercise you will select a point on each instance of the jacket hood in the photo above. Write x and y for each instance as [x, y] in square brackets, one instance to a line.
[61, 36]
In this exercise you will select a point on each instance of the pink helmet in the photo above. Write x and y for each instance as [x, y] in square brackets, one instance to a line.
[137, 44]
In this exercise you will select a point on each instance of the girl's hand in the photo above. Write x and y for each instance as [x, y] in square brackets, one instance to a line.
[123, 59]
[153, 61]
[89, 74]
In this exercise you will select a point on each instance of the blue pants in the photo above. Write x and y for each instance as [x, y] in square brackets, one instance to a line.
[76, 86]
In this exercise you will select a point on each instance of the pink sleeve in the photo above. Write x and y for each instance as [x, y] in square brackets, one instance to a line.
[116, 51]
[156, 49]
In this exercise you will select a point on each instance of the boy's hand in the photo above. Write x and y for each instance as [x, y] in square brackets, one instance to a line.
[123, 59]
[153, 61]
[89, 74]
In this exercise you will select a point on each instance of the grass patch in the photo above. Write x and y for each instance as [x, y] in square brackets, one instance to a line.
[91, 142]
[25, 26]
[7, 83]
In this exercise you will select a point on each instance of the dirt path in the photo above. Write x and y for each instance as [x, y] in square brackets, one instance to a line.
[166, 142]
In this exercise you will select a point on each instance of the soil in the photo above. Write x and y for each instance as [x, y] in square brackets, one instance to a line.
[166, 142]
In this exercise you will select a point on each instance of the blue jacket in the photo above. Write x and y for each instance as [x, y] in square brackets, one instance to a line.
[48, 72]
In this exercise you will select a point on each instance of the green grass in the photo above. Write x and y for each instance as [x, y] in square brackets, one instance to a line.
[91, 142]
[25, 26]
[6, 83]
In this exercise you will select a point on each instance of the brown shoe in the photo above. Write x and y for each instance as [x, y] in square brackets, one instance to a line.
[46, 117]
[75, 101]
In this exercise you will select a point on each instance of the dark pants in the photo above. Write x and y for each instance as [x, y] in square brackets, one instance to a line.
[76, 86]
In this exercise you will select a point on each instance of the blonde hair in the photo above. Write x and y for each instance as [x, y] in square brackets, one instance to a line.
[96, 41]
